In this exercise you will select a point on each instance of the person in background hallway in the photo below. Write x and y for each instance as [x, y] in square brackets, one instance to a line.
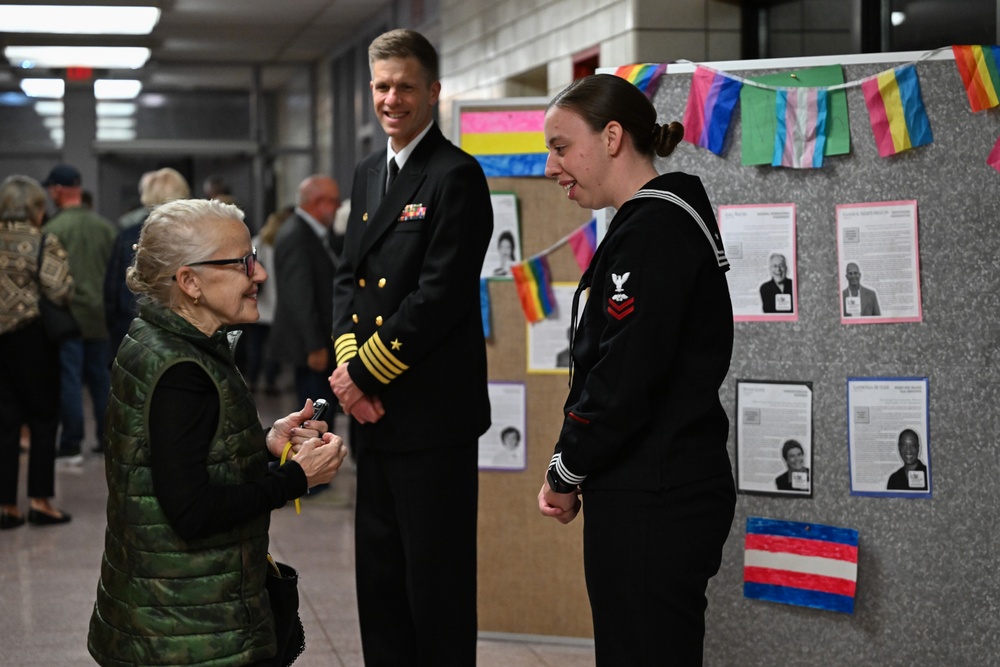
[29, 363]
[120, 306]
[190, 491]
[87, 238]
[258, 358]
[859, 301]
[304, 264]
[138, 214]
[776, 293]
[644, 435]
[411, 368]
[913, 475]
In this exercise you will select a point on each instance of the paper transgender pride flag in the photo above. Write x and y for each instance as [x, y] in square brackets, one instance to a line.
[644, 77]
[805, 564]
[800, 135]
[584, 242]
[896, 109]
[977, 65]
[709, 110]
[506, 143]
[534, 288]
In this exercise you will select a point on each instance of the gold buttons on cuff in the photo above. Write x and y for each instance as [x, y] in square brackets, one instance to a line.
[378, 321]
[381, 282]
[361, 282]
[355, 318]
[364, 218]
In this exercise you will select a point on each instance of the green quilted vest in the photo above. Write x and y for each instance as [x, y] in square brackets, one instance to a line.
[162, 600]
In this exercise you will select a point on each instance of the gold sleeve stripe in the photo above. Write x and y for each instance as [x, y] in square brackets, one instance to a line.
[345, 347]
[372, 365]
[390, 360]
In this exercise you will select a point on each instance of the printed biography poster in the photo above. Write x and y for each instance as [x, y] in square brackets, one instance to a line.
[888, 436]
[505, 244]
[879, 263]
[774, 438]
[503, 445]
[759, 240]
[548, 340]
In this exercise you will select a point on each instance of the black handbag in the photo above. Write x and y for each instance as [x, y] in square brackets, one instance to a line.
[282, 586]
[58, 322]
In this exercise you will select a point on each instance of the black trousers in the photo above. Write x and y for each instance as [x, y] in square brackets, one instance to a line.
[415, 547]
[648, 557]
[29, 394]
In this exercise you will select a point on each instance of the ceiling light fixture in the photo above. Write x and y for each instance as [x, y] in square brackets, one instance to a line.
[49, 108]
[95, 57]
[49, 88]
[117, 89]
[115, 109]
[76, 20]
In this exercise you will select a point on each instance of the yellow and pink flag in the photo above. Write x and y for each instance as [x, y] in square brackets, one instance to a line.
[896, 109]
[978, 67]
[506, 143]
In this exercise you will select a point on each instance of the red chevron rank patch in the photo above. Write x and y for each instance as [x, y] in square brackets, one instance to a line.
[620, 311]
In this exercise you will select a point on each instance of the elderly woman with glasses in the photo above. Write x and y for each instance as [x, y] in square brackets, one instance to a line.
[187, 461]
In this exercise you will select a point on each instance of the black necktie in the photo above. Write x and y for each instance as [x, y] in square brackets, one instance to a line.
[393, 170]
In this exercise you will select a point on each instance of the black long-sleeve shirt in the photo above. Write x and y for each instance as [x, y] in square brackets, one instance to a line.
[183, 417]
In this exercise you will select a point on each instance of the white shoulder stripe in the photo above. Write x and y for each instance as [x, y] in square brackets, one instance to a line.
[720, 254]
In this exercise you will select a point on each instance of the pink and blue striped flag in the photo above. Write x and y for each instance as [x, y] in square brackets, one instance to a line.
[800, 135]
[979, 67]
[584, 242]
[645, 77]
[534, 288]
[506, 143]
[709, 110]
[896, 109]
[805, 564]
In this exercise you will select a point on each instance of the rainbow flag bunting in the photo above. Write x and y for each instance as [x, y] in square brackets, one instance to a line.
[534, 288]
[645, 77]
[805, 564]
[506, 143]
[977, 65]
[584, 242]
[709, 110]
[800, 134]
[896, 109]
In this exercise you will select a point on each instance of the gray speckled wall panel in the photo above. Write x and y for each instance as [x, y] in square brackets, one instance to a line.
[928, 584]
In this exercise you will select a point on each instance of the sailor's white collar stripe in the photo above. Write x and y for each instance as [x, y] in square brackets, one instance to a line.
[720, 255]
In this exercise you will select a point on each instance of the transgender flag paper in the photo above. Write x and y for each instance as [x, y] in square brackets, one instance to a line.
[805, 564]
[800, 135]
[709, 109]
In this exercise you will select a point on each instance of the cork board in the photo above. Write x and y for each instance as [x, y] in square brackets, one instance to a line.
[530, 567]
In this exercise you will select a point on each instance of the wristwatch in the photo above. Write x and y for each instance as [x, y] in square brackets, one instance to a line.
[556, 484]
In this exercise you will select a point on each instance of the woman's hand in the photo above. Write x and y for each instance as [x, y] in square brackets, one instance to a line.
[563, 507]
[296, 428]
[320, 458]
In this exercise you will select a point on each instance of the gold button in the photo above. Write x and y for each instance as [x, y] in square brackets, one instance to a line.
[355, 318]
[378, 321]
[364, 218]
[381, 282]
[361, 283]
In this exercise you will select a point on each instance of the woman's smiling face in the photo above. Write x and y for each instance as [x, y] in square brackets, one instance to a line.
[577, 158]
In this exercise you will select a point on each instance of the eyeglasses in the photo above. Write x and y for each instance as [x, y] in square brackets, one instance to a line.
[249, 262]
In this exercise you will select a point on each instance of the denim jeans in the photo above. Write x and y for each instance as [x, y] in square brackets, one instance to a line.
[82, 362]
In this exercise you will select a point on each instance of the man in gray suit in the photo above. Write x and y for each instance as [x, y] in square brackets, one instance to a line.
[304, 264]
[859, 301]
